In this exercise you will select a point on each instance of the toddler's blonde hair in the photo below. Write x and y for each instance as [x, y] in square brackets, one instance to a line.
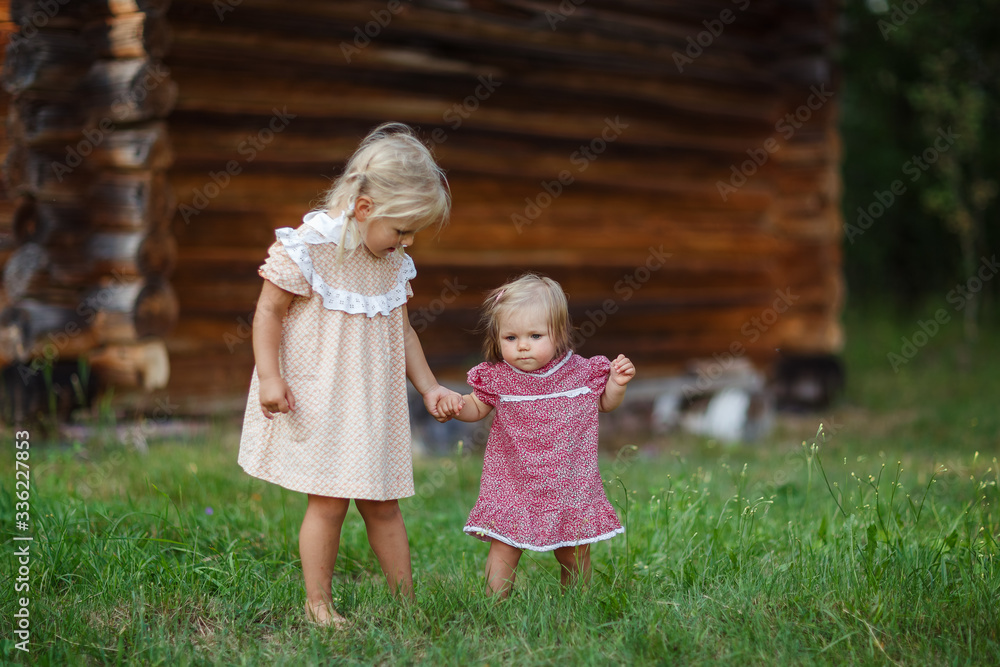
[527, 291]
[397, 172]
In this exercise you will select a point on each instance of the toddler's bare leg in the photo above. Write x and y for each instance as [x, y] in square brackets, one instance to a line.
[501, 567]
[574, 564]
[319, 541]
[387, 537]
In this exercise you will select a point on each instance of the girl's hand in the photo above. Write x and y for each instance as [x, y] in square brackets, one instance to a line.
[275, 396]
[433, 398]
[622, 370]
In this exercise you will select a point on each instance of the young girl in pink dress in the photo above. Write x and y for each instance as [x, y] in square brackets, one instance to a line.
[327, 411]
[541, 488]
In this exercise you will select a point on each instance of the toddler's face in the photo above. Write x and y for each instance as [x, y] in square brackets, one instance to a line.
[525, 341]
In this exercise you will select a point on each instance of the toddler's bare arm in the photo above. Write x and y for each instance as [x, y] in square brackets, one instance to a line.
[622, 371]
[471, 410]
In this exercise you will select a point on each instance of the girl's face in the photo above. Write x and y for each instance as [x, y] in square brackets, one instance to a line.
[525, 341]
[382, 236]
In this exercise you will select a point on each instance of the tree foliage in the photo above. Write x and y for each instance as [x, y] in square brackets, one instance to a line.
[921, 113]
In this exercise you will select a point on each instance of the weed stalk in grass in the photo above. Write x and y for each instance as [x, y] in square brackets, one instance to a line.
[814, 455]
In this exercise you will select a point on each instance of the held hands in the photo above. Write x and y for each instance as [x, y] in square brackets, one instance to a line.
[275, 396]
[622, 370]
[441, 401]
[451, 405]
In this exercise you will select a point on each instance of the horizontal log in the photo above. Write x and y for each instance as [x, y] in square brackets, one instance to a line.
[110, 95]
[74, 13]
[33, 169]
[317, 100]
[131, 35]
[136, 200]
[620, 164]
[614, 42]
[51, 60]
[34, 120]
[31, 15]
[143, 365]
[130, 89]
[118, 312]
[65, 262]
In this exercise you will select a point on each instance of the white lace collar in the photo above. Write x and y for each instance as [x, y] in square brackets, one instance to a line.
[543, 374]
[324, 229]
[329, 230]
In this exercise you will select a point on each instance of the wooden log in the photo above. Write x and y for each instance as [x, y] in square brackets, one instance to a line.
[52, 60]
[313, 100]
[136, 201]
[130, 90]
[144, 365]
[131, 201]
[32, 15]
[101, 8]
[43, 120]
[110, 95]
[73, 13]
[145, 146]
[32, 329]
[72, 166]
[123, 309]
[133, 254]
[132, 35]
[62, 264]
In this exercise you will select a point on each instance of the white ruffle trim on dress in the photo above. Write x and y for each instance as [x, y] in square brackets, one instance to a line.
[325, 229]
[484, 532]
[569, 393]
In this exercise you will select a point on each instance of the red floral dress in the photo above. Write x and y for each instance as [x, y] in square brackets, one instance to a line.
[541, 488]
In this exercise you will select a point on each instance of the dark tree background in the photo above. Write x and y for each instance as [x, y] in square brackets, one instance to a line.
[914, 72]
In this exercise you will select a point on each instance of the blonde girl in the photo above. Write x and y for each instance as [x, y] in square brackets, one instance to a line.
[327, 411]
[541, 488]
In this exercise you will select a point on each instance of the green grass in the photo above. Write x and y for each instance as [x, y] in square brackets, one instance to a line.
[875, 543]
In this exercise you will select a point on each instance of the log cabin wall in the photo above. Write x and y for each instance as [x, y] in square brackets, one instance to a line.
[7, 204]
[673, 164]
[86, 160]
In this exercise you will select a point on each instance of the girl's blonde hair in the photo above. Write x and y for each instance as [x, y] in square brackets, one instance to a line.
[528, 291]
[394, 169]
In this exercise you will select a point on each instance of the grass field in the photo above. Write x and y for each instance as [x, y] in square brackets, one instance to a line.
[875, 543]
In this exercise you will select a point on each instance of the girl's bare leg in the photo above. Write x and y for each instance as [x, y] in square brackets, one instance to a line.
[574, 564]
[501, 567]
[319, 541]
[387, 537]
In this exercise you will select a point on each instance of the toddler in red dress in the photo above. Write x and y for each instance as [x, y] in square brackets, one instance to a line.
[541, 488]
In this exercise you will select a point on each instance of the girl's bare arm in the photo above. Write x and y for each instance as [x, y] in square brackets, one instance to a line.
[275, 396]
[420, 373]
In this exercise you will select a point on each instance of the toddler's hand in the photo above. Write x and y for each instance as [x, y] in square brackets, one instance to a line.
[275, 396]
[622, 370]
[433, 398]
[451, 405]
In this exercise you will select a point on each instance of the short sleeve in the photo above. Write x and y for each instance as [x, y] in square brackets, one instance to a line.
[484, 380]
[409, 290]
[281, 270]
[597, 373]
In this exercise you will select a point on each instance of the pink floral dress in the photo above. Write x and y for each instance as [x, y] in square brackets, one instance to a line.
[541, 488]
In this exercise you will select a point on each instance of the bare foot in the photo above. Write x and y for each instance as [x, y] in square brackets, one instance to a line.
[323, 614]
